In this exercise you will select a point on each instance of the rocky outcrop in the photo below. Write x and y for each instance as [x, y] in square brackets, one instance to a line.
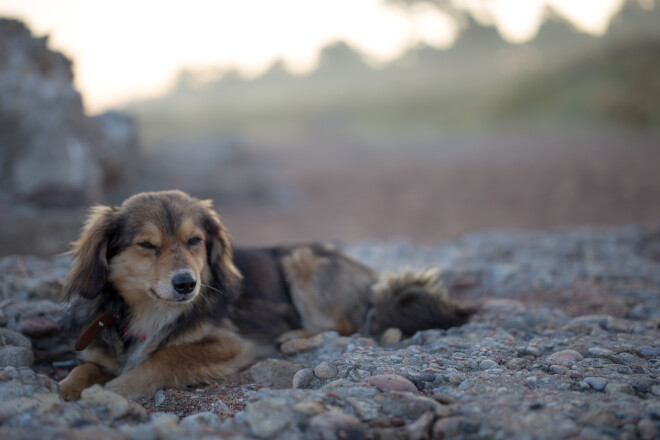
[565, 345]
[52, 154]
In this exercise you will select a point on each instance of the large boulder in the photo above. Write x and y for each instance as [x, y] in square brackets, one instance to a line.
[52, 153]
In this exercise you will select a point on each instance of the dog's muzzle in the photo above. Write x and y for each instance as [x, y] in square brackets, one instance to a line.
[184, 282]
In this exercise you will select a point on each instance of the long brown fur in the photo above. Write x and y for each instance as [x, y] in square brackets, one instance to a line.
[189, 309]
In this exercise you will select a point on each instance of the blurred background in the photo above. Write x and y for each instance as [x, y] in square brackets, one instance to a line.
[416, 120]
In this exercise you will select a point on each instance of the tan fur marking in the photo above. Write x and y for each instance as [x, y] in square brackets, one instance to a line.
[391, 283]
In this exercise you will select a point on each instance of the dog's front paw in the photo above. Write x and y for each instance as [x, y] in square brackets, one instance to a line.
[70, 391]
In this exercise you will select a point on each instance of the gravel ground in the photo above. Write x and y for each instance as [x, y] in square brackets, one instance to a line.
[566, 344]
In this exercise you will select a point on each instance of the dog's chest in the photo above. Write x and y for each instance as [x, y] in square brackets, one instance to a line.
[148, 332]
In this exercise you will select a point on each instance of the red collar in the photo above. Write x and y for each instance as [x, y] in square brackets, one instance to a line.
[138, 336]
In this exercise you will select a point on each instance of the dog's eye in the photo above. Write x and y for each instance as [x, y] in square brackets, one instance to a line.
[147, 245]
[194, 241]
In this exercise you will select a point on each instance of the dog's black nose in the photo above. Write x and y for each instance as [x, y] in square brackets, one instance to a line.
[184, 282]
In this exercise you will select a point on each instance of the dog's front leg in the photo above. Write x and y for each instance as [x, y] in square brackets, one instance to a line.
[181, 365]
[81, 377]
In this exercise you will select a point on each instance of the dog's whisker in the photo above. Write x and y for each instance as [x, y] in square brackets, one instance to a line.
[212, 288]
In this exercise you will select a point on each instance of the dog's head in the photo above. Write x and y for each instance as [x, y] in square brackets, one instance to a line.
[164, 246]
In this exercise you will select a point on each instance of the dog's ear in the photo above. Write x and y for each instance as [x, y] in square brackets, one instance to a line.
[224, 274]
[89, 267]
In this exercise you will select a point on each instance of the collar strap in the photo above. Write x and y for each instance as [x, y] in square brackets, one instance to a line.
[93, 329]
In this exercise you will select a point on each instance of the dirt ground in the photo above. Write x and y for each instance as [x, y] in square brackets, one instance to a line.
[427, 195]
[424, 192]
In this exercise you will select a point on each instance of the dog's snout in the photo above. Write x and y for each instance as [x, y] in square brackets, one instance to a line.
[184, 282]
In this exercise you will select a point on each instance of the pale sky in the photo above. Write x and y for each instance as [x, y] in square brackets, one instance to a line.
[128, 49]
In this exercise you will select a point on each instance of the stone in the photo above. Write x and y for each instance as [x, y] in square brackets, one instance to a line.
[302, 378]
[275, 373]
[208, 419]
[159, 398]
[268, 416]
[365, 409]
[421, 427]
[565, 357]
[619, 388]
[16, 357]
[325, 371]
[335, 425]
[597, 383]
[446, 428]
[116, 405]
[409, 406]
[390, 382]
[391, 336]
[39, 326]
[598, 351]
[646, 429]
[10, 337]
[517, 364]
[649, 351]
[487, 364]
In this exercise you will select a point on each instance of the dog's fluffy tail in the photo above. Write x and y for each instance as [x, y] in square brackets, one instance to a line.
[411, 301]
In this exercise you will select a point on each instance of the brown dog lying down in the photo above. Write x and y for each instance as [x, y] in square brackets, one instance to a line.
[161, 300]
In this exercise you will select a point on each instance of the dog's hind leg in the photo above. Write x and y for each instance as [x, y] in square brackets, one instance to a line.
[81, 377]
[329, 290]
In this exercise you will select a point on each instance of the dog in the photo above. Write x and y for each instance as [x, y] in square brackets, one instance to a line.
[161, 299]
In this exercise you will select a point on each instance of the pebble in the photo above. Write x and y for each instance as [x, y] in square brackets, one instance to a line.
[646, 429]
[324, 371]
[597, 383]
[39, 326]
[597, 351]
[275, 373]
[487, 364]
[116, 405]
[159, 398]
[619, 388]
[268, 416]
[16, 357]
[391, 336]
[302, 378]
[390, 382]
[517, 364]
[649, 351]
[204, 418]
[565, 357]
[10, 337]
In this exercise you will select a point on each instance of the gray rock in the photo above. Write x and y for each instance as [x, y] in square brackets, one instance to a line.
[649, 351]
[208, 419]
[597, 383]
[116, 405]
[10, 337]
[302, 378]
[619, 388]
[325, 371]
[335, 426]
[391, 382]
[565, 357]
[159, 398]
[391, 336]
[275, 373]
[268, 417]
[16, 357]
[487, 364]
[598, 351]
